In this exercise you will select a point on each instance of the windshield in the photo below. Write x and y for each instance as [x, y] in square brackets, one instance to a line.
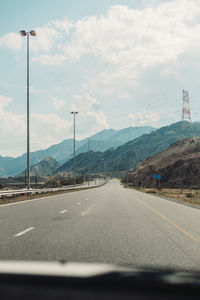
[100, 132]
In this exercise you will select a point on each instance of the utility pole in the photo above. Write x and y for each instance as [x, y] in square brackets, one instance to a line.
[25, 179]
[27, 34]
[28, 128]
[88, 161]
[103, 163]
[74, 113]
[103, 170]
[95, 179]
[36, 181]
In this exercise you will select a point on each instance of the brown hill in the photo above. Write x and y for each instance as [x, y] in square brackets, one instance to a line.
[179, 166]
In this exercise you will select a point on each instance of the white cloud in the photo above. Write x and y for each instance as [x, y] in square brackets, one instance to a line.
[58, 103]
[63, 25]
[34, 90]
[11, 40]
[91, 117]
[50, 60]
[13, 128]
[135, 51]
[4, 101]
[124, 96]
[141, 119]
[130, 41]
[127, 40]
[46, 129]
[45, 39]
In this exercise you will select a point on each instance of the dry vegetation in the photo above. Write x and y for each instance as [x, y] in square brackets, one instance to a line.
[188, 196]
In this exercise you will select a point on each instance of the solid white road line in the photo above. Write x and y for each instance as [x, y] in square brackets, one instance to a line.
[25, 231]
[63, 211]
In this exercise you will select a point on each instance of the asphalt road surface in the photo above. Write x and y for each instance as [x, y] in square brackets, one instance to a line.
[109, 224]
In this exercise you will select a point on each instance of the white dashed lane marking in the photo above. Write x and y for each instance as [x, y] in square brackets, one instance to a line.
[63, 211]
[87, 211]
[24, 231]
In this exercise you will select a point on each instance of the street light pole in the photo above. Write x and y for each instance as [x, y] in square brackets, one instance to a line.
[74, 113]
[28, 127]
[88, 161]
[103, 179]
[95, 170]
[24, 33]
[103, 170]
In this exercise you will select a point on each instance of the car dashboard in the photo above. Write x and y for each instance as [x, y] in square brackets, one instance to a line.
[49, 281]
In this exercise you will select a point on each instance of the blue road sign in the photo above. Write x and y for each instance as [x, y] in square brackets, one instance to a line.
[158, 176]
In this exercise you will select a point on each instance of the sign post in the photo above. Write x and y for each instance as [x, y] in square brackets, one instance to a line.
[158, 177]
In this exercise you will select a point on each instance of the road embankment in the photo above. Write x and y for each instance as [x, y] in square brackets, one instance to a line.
[189, 197]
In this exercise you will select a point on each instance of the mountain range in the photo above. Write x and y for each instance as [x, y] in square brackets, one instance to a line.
[63, 151]
[131, 153]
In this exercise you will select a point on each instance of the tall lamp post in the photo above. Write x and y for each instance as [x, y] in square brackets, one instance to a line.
[74, 113]
[103, 179]
[95, 166]
[27, 34]
[88, 161]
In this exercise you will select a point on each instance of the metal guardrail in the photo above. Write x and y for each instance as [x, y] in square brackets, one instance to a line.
[13, 193]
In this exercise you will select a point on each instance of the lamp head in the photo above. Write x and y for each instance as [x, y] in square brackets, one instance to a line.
[32, 32]
[74, 112]
[22, 32]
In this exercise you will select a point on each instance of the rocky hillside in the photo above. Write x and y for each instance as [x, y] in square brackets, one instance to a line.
[95, 162]
[179, 166]
[43, 168]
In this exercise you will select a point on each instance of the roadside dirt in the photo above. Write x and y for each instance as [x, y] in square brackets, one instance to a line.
[184, 196]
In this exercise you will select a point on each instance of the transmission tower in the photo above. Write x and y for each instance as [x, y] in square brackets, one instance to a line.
[186, 107]
[186, 116]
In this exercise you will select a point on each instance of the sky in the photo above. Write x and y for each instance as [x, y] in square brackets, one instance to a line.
[119, 63]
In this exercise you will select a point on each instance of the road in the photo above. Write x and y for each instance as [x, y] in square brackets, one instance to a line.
[106, 224]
